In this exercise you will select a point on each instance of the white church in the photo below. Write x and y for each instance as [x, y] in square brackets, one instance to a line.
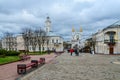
[76, 38]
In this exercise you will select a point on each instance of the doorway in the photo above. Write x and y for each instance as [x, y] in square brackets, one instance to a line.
[111, 49]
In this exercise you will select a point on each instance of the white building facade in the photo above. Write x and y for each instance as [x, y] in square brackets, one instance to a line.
[107, 41]
[55, 41]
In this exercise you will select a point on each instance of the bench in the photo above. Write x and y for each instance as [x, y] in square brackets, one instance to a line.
[37, 62]
[25, 57]
[21, 68]
[42, 61]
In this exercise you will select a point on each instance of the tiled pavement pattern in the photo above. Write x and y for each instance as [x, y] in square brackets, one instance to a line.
[9, 71]
[83, 67]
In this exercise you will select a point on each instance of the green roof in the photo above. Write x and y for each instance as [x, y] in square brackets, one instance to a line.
[52, 34]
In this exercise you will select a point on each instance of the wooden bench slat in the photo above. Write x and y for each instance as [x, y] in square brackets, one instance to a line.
[29, 65]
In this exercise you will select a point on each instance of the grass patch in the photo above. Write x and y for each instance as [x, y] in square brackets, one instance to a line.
[37, 53]
[9, 59]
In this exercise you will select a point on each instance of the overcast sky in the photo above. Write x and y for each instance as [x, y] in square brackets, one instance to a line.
[91, 15]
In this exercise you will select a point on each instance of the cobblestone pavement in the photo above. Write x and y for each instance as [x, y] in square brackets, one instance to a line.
[82, 67]
[9, 71]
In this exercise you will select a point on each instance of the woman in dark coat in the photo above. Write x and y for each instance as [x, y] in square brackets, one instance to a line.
[76, 52]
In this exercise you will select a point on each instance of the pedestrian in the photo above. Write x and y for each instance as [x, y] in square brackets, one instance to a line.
[71, 51]
[93, 51]
[54, 50]
[76, 52]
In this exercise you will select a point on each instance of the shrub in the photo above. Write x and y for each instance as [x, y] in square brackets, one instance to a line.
[8, 53]
[12, 53]
[3, 52]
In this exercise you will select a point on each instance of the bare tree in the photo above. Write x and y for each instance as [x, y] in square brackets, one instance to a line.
[41, 38]
[10, 40]
[27, 36]
[44, 38]
[34, 38]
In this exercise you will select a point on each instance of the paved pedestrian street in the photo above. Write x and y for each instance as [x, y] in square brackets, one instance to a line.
[9, 71]
[83, 67]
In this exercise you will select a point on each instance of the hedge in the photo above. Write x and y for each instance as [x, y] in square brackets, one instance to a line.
[9, 53]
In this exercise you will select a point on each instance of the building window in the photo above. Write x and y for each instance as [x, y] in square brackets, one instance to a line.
[47, 42]
[30, 48]
[111, 37]
[52, 40]
[43, 48]
[16, 49]
[56, 41]
[47, 29]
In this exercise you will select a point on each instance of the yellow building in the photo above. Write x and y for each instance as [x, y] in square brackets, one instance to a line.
[107, 41]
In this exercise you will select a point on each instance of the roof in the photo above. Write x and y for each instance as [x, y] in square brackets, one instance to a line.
[117, 23]
[114, 25]
[52, 34]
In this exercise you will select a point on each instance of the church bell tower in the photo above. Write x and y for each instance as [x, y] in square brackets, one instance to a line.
[48, 25]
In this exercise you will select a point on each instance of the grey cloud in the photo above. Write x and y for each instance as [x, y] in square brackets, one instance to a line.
[92, 15]
[102, 10]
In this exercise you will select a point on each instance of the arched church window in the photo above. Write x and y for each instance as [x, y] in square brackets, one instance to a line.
[77, 37]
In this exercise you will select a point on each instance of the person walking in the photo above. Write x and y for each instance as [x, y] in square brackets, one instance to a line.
[71, 51]
[76, 52]
[54, 50]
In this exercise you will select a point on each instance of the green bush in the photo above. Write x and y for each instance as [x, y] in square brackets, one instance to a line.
[3, 52]
[12, 53]
[9, 53]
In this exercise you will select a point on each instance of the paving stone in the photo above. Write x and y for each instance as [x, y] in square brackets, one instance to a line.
[83, 67]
